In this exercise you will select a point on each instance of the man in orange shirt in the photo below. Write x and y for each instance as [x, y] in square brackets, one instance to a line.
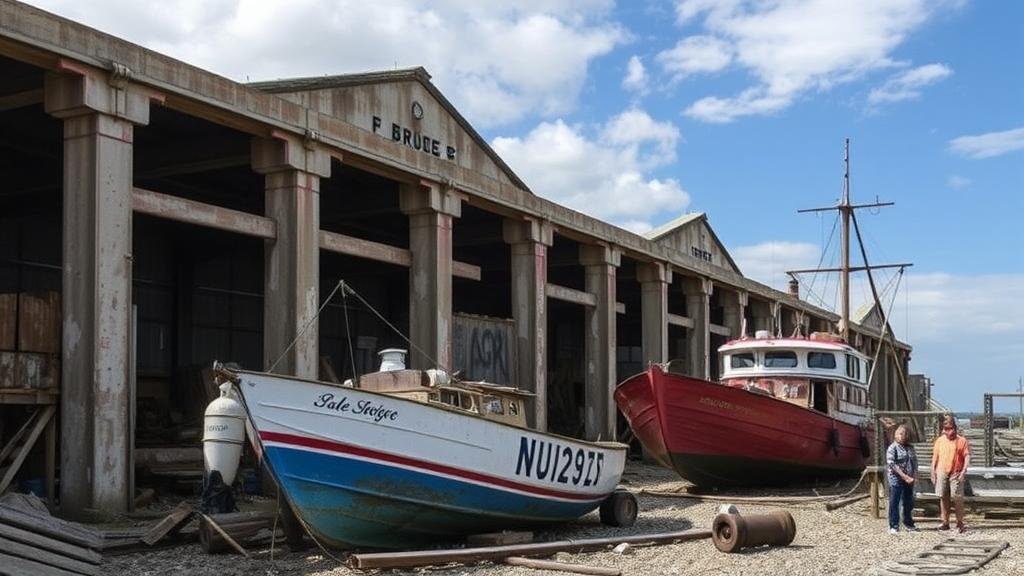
[950, 456]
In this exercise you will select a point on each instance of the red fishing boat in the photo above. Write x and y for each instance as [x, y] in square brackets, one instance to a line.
[785, 409]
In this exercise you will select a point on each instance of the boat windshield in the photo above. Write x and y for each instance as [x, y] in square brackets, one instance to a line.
[780, 359]
[742, 361]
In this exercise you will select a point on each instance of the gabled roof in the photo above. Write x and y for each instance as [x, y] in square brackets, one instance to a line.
[686, 220]
[671, 225]
[417, 74]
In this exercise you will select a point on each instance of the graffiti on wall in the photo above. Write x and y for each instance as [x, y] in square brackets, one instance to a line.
[483, 348]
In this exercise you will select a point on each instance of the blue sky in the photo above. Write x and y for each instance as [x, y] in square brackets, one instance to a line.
[637, 112]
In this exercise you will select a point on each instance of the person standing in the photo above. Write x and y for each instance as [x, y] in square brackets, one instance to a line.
[901, 469]
[950, 456]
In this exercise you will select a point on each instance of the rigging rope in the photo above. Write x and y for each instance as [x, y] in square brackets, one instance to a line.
[306, 327]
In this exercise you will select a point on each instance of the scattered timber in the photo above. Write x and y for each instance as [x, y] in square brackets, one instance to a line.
[468, 555]
[561, 566]
[841, 502]
[227, 537]
[248, 529]
[170, 524]
[34, 543]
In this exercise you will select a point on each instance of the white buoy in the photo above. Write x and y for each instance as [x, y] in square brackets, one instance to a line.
[223, 435]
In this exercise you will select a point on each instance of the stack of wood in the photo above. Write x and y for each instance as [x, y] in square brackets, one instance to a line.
[30, 338]
[34, 542]
[247, 529]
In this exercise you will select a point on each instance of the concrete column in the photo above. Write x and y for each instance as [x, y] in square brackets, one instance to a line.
[430, 209]
[291, 292]
[762, 312]
[698, 301]
[654, 278]
[600, 264]
[735, 308]
[529, 241]
[99, 121]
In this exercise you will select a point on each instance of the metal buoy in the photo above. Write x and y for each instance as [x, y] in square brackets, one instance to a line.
[734, 532]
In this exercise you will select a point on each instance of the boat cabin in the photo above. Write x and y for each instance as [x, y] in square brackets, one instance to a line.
[501, 403]
[821, 372]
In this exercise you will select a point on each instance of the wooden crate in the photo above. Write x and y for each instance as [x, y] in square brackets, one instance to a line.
[37, 371]
[8, 364]
[8, 321]
[39, 322]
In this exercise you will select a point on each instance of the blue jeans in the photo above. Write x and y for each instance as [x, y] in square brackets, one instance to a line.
[901, 492]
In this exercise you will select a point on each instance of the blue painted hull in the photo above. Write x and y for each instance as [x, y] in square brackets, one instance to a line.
[347, 501]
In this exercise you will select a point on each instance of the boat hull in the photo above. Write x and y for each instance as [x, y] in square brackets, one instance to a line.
[715, 435]
[366, 469]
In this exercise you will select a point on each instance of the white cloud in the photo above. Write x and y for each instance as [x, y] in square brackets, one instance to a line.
[792, 47]
[636, 77]
[695, 55]
[602, 171]
[768, 262]
[958, 182]
[989, 144]
[907, 85]
[531, 57]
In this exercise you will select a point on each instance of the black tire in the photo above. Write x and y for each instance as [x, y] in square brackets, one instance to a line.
[620, 509]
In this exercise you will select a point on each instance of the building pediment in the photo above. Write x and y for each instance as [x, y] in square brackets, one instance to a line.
[691, 234]
[402, 106]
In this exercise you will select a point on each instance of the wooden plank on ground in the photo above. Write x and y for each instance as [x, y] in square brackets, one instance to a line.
[170, 524]
[15, 566]
[46, 557]
[46, 543]
[62, 530]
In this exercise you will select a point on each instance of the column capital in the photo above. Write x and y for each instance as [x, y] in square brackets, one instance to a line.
[528, 230]
[429, 196]
[653, 272]
[698, 286]
[600, 255]
[77, 90]
[283, 152]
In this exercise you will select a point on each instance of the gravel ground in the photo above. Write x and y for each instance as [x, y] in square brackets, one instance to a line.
[843, 542]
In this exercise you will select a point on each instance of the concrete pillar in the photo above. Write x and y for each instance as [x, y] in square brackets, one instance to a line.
[762, 312]
[698, 300]
[529, 241]
[291, 292]
[99, 119]
[431, 209]
[735, 308]
[600, 264]
[655, 279]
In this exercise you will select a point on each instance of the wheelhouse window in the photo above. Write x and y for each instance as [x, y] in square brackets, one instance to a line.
[821, 360]
[853, 367]
[741, 361]
[780, 360]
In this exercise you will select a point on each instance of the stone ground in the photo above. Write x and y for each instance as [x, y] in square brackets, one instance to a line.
[843, 542]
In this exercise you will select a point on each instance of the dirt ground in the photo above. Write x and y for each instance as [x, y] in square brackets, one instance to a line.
[847, 541]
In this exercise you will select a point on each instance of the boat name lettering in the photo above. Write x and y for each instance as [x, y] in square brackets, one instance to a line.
[369, 408]
[724, 405]
[558, 463]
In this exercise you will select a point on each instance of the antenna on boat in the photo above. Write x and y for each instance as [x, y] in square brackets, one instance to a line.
[847, 213]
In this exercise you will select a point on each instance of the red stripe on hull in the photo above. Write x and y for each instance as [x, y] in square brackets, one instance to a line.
[421, 464]
[676, 415]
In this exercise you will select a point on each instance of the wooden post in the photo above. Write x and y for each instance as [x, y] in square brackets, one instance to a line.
[874, 494]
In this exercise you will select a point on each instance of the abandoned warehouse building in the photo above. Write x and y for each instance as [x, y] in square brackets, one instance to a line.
[155, 217]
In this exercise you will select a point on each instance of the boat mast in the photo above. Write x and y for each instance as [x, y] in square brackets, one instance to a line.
[846, 210]
[844, 278]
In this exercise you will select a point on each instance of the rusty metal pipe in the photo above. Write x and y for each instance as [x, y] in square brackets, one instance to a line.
[733, 532]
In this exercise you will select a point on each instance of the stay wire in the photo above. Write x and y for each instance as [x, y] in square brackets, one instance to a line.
[392, 326]
[306, 327]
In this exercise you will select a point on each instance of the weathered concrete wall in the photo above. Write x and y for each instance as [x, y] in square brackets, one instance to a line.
[485, 349]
